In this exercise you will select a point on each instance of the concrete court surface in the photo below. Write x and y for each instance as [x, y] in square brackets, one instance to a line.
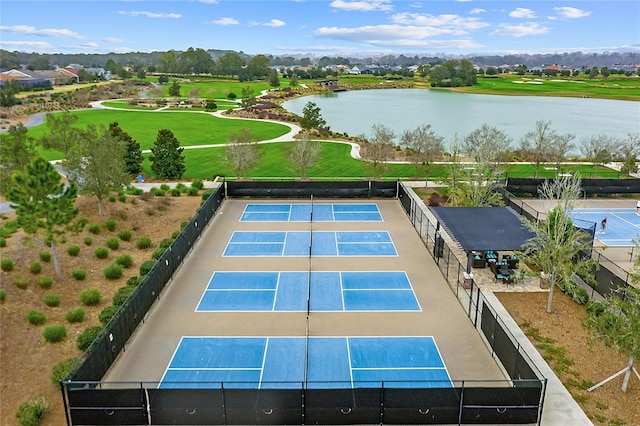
[150, 349]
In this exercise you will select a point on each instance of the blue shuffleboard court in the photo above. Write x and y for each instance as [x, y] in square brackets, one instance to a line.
[297, 243]
[302, 213]
[329, 362]
[623, 225]
[326, 291]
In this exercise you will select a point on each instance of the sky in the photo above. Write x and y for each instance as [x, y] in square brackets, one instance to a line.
[321, 27]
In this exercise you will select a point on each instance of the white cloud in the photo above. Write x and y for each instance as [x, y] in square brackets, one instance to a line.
[45, 32]
[91, 45]
[18, 45]
[521, 30]
[209, 1]
[225, 21]
[150, 14]
[476, 11]
[522, 12]
[275, 23]
[363, 5]
[113, 40]
[455, 23]
[571, 12]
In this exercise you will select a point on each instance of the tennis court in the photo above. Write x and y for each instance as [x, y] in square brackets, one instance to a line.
[623, 225]
[323, 290]
[321, 362]
[303, 213]
[322, 243]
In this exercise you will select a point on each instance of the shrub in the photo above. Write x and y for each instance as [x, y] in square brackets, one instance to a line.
[133, 281]
[79, 274]
[175, 192]
[101, 252]
[45, 282]
[31, 412]
[62, 369]
[181, 186]
[164, 187]
[192, 192]
[122, 198]
[54, 333]
[580, 295]
[125, 260]
[94, 228]
[146, 267]
[113, 271]
[110, 224]
[51, 300]
[125, 235]
[107, 313]
[113, 243]
[86, 337]
[3, 294]
[143, 243]
[21, 282]
[206, 194]
[35, 267]
[3, 242]
[45, 256]
[90, 297]
[197, 184]
[157, 253]
[132, 190]
[122, 294]
[88, 241]
[36, 317]
[112, 198]
[6, 265]
[73, 250]
[75, 315]
[165, 243]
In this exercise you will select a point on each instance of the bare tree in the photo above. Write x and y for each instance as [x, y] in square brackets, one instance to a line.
[560, 149]
[194, 94]
[241, 153]
[303, 154]
[487, 146]
[379, 148]
[424, 145]
[536, 145]
[598, 149]
[628, 152]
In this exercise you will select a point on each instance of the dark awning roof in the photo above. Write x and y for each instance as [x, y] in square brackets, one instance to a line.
[483, 228]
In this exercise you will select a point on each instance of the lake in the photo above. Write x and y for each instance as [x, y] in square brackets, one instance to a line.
[451, 113]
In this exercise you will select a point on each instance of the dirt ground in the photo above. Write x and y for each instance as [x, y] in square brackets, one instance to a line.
[26, 359]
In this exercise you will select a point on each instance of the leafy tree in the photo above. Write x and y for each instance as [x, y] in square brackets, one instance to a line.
[303, 154]
[593, 72]
[424, 145]
[617, 322]
[274, 80]
[174, 90]
[62, 135]
[258, 66]
[293, 82]
[487, 146]
[555, 249]
[39, 63]
[168, 62]
[167, 160]
[598, 149]
[379, 148]
[230, 64]
[195, 61]
[248, 97]
[522, 69]
[17, 149]
[44, 204]
[9, 60]
[311, 116]
[99, 169]
[133, 157]
[241, 152]
[8, 94]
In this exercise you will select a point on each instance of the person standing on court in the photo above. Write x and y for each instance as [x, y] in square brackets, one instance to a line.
[603, 225]
[638, 207]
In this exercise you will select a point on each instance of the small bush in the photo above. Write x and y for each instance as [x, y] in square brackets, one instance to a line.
[45, 256]
[6, 265]
[122, 198]
[113, 271]
[125, 235]
[54, 333]
[45, 282]
[101, 252]
[61, 370]
[580, 295]
[91, 297]
[79, 274]
[3, 294]
[112, 198]
[35, 267]
[3, 242]
[192, 192]
[157, 253]
[36, 317]
[133, 281]
[132, 190]
[94, 228]
[85, 338]
[125, 260]
[206, 194]
[110, 224]
[88, 241]
[197, 184]
[143, 243]
[181, 186]
[75, 315]
[21, 282]
[113, 243]
[31, 412]
[122, 294]
[51, 300]
[165, 187]
[73, 250]
[175, 192]
[146, 267]
[107, 313]
[175, 234]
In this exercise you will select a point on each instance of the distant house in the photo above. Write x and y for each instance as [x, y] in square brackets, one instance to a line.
[24, 81]
[355, 70]
[54, 77]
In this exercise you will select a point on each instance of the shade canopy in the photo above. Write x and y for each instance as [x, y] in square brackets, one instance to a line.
[483, 228]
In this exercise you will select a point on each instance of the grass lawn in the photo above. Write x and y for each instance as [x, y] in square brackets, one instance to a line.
[216, 88]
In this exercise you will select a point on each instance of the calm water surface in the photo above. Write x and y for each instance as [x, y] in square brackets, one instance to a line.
[451, 113]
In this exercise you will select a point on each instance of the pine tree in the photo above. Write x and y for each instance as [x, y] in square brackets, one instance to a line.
[167, 160]
[133, 156]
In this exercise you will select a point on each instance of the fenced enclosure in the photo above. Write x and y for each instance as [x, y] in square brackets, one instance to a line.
[516, 400]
